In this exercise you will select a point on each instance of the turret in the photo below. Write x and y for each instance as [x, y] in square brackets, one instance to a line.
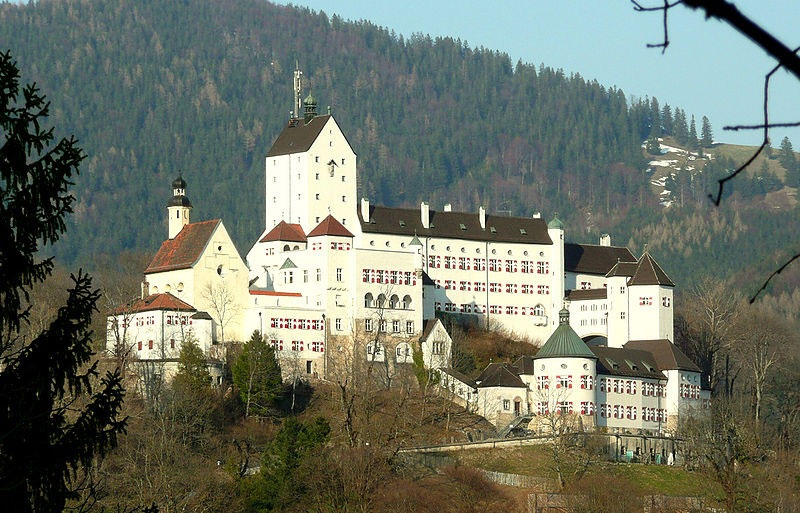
[178, 207]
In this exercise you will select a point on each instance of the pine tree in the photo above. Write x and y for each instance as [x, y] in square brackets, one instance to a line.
[692, 142]
[655, 119]
[54, 419]
[257, 375]
[706, 135]
[192, 366]
[680, 127]
[666, 120]
[653, 147]
[789, 162]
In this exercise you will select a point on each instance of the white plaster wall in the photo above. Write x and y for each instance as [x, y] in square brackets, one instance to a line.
[574, 280]
[538, 328]
[618, 311]
[644, 322]
[589, 317]
[553, 394]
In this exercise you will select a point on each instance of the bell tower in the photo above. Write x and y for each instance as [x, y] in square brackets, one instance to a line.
[178, 207]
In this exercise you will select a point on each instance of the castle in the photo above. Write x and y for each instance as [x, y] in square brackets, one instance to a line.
[330, 270]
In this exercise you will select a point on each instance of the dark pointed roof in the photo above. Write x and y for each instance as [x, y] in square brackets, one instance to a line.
[298, 136]
[330, 226]
[185, 249]
[622, 269]
[648, 272]
[284, 231]
[162, 301]
[667, 355]
[460, 377]
[594, 259]
[564, 341]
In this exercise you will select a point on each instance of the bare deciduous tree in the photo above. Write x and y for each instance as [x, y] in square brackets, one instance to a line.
[222, 303]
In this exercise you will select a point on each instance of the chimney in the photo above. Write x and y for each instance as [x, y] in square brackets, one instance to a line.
[482, 217]
[365, 210]
[425, 215]
[145, 289]
[605, 239]
[448, 207]
[537, 215]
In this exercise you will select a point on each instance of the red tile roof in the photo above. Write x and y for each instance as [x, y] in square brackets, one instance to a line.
[330, 226]
[286, 232]
[163, 301]
[184, 250]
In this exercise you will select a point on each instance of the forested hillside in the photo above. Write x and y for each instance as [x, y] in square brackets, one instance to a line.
[203, 87]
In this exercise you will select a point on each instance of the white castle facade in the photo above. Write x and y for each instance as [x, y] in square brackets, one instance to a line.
[330, 268]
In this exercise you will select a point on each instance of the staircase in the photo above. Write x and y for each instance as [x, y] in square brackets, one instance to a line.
[514, 424]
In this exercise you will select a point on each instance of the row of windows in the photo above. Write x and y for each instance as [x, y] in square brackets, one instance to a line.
[388, 277]
[296, 324]
[336, 246]
[288, 276]
[666, 301]
[479, 286]
[622, 386]
[593, 322]
[150, 344]
[592, 308]
[564, 381]
[617, 411]
[383, 326]
[297, 346]
[494, 251]
[495, 264]
[380, 302]
[537, 310]
[690, 391]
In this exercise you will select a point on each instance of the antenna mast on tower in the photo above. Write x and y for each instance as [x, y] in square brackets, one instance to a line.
[298, 89]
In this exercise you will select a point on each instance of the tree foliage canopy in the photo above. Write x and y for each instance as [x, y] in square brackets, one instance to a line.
[55, 418]
[257, 375]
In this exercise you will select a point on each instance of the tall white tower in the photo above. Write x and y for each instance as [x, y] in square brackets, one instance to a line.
[178, 207]
[555, 228]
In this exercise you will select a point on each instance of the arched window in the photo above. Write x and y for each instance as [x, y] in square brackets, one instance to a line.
[393, 301]
[286, 247]
[406, 302]
[296, 247]
[381, 300]
[538, 310]
[369, 300]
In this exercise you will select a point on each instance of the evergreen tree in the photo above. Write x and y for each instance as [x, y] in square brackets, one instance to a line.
[281, 480]
[681, 129]
[653, 147]
[192, 366]
[692, 142]
[706, 135]
[666, 120]
[54, 419]
[257, 375]
[789, 162]
[655, 119]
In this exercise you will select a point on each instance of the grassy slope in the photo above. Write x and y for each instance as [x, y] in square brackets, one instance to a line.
[650, 479]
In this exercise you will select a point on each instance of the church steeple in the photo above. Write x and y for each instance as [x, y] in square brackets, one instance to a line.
[178, 207]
